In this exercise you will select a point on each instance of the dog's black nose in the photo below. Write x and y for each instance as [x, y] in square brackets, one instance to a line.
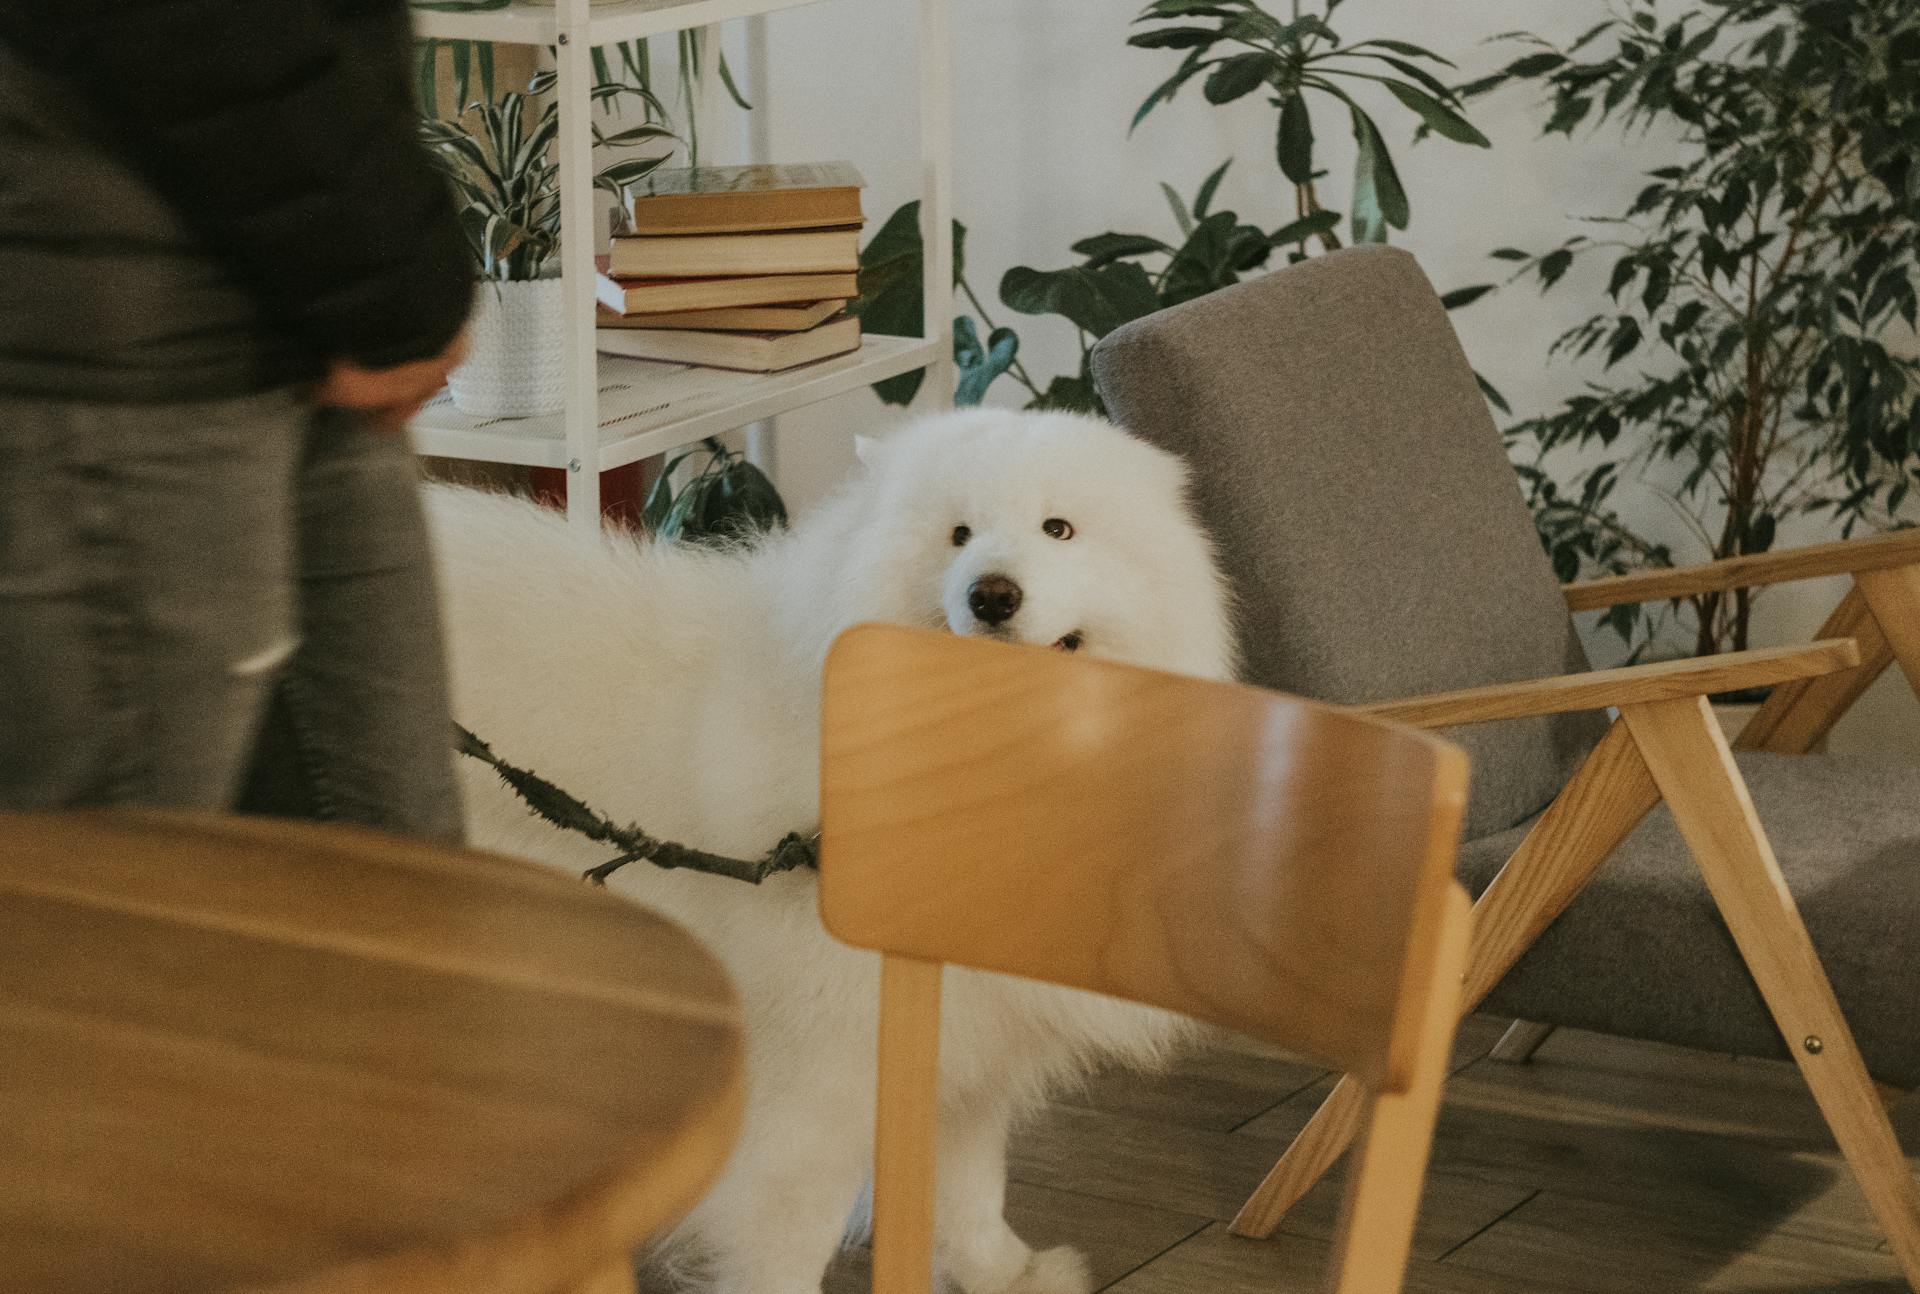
[994, 598]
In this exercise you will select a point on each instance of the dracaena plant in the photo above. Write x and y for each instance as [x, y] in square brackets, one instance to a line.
[1756, 340]
[498, 157]
[1236, 48]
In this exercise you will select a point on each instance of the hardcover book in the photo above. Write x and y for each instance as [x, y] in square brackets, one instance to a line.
[758, 352]
[690, 256]
[742, 199]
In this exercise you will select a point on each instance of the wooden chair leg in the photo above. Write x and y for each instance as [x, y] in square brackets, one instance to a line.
[1795, 716]
[1894, 596]
[1519, 1042]
[1390, 1164]
[906, 1112]
[1694, 769]
[1598, 809]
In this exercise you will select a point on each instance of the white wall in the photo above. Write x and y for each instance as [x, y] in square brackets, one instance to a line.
[1042, 157]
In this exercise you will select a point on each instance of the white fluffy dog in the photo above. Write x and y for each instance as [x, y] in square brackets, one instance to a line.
[679, 688]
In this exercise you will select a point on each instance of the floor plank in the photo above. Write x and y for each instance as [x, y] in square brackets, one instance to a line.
[1217, 1262]
[1185, 1170]
[1579, 1243]
[1625, 1122]
[1116, 1238]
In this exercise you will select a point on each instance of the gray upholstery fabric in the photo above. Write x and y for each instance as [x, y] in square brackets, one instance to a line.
[1345, 462]
[1643, 952]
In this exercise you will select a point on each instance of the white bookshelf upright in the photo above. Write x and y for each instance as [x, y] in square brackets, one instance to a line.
[621, 410]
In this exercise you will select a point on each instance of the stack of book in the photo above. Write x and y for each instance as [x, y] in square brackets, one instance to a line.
[747, 267]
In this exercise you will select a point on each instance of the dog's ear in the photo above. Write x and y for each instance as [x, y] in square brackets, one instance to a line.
[868, 450]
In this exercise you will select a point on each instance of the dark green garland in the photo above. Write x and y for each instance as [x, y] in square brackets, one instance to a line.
[562, 810]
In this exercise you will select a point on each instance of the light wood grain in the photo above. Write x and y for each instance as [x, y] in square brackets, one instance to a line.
[904, 1128]
[1196, 832]
[1594, 812]
[244, 1054]
[1797, 714]
[1694, 769]
[1845, 557]
[1894, 596]
[1390, 1164]
[1601, 688]
[1260, 862]
[615, 1278]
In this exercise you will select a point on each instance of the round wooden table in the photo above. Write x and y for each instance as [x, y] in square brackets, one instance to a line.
[249, 1055]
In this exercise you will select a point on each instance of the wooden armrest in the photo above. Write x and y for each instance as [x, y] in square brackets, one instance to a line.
[1662, 681]
[1876, 552]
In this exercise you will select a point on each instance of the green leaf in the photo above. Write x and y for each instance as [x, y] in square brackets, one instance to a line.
[733, 91]
[1102, 248]
[891, 290]
[1553, 265]
[1239, 76]
[1626, 336]
[1534, 65]
[1095, 301]
[1209, 260]
[1309, 226]
[1400, 47]
[1441, 119]
[1204, 198]
[1296, 139]
[1173, 38]
[1508, 254]
[1493, 395]
[1071, 394]
[1164, 92]
[1180, 215]
[1465, 296]
[1378, 198]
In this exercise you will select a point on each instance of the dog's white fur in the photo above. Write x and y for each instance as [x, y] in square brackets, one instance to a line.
[679, 688]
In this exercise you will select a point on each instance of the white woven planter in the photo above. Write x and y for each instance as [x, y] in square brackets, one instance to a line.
[518, 364]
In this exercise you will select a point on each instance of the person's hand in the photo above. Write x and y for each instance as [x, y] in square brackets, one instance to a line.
[389, 397]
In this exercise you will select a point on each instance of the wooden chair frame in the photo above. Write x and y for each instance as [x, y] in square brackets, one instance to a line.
[922, 729]
[1667, 745]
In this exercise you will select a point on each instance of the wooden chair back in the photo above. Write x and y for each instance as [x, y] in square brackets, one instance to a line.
[1272, 865]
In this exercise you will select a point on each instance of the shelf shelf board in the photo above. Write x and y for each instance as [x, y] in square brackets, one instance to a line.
[526, 22]
[648, 408]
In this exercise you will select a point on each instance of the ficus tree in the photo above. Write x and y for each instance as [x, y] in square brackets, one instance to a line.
[1755, 344]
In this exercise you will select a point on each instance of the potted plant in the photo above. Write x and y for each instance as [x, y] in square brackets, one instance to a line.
[1232, 49]
[497, 155]
[1756, 340]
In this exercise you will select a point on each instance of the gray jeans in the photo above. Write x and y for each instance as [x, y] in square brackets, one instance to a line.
[216, 605]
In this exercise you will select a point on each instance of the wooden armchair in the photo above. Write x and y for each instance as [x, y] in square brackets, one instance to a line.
[1265, 863]
[1346, 464]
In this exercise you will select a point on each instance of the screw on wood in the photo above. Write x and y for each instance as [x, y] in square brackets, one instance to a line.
[1813, 1045]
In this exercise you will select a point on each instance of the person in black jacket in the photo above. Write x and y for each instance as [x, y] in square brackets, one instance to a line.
[228, 276]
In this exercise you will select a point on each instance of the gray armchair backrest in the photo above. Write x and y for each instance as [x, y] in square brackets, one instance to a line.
[1373, 530]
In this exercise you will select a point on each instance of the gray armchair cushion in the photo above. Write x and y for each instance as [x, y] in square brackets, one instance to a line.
[1643, 952]
[1345, 462]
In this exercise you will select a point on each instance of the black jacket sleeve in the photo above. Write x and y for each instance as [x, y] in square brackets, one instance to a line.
[283, 132]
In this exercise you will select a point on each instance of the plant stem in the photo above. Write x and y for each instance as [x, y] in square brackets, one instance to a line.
[1017, 369]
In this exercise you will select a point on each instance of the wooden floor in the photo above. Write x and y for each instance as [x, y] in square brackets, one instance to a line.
[1603, 1166]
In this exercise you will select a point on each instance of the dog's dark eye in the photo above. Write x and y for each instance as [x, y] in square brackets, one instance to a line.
[1058, 527]
[960, 536]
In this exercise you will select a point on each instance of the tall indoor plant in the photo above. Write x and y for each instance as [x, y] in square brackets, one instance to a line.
[1233, 49]
[1756, 344]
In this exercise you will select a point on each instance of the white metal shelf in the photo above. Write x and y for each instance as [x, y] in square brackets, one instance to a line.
[620, 410]
[525, 22]
[647, 408]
